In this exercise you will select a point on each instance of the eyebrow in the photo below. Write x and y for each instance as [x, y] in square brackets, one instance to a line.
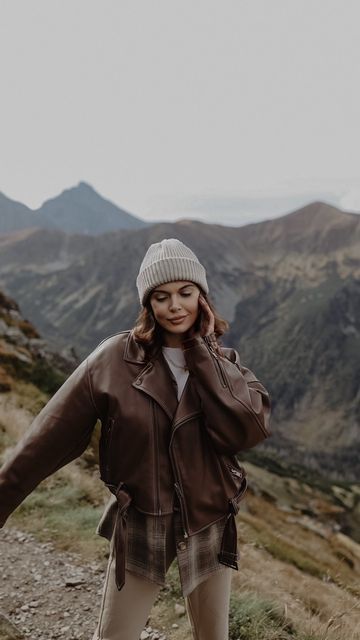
[185, 286]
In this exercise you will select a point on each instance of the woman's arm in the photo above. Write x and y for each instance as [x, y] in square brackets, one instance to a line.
[236, 405]
[59, 433]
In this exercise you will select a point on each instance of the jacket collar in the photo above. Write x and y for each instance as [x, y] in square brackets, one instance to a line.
[156, 380]
[153, 378]
[133, 351]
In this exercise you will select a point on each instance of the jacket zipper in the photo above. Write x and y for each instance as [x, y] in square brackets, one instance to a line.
[217, 364]
[180, 495]
[178, 486]
[179, 491]
[156, 459]
[236, 472]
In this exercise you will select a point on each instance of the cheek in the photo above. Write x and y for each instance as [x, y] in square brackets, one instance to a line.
[194, 308]
[196, 305]
[158, 311]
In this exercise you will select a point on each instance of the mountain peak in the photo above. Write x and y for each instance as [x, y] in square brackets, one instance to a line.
[319, 208]
[84, 185]
[85, 188]
[82, 189]
[78, 209]
[315, 215]
[81, 209]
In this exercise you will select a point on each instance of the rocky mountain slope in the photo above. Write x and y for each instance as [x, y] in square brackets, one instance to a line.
[77, 210]
[290, 288]
[25, 356]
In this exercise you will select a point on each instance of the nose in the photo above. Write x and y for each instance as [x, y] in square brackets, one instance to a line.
[174, 304]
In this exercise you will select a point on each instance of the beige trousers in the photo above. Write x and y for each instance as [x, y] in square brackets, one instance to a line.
[123, 614]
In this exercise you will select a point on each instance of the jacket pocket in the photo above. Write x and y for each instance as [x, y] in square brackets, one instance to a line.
[238, 475]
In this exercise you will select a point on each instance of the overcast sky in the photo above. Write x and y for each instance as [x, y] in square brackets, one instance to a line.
[175, 107]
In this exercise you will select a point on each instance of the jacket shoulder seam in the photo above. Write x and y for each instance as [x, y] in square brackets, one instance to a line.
[112, 335]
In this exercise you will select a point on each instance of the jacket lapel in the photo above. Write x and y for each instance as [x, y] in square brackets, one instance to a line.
[188, 406]
[155, 381]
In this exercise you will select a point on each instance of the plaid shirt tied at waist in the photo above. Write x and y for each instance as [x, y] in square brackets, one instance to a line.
[147, 544]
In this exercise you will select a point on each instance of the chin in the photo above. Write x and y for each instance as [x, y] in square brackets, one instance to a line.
[177, 331]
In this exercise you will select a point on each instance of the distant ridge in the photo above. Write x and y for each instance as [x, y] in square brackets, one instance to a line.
[15, 216]
[317, 226]
[79, 209]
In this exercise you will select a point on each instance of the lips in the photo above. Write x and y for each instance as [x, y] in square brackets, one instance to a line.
[177, 320]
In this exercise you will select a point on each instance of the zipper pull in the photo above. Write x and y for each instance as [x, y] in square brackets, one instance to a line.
[210, 341]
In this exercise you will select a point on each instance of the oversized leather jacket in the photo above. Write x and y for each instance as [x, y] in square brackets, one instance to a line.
[153, 450]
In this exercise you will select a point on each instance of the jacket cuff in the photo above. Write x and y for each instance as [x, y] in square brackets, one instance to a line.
[210, 340]
[212, 343]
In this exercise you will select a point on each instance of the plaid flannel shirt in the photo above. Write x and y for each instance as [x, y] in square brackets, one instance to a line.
[153, 542]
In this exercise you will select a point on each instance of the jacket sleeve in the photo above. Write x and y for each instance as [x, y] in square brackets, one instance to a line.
[59, 433]
[235, 404]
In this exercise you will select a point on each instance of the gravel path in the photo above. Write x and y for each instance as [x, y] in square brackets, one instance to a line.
[49, 594]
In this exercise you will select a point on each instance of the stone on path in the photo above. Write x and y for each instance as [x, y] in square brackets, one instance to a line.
[179, 609]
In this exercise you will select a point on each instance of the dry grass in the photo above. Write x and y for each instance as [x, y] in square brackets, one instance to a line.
[18, 408]
[313, 606]
[15, 416]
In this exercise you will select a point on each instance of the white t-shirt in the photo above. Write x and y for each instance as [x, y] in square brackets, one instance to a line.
[176, 361]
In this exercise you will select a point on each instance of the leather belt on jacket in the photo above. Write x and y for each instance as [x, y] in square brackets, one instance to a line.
[228, 554]
[120, 534]
[228, 551]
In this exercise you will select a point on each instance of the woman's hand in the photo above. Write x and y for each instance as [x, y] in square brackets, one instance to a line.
[208, 321]
[207, 324]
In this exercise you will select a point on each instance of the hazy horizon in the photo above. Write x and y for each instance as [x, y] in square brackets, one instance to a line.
[229, 211]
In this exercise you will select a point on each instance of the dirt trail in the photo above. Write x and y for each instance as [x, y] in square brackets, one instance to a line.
[47, 593]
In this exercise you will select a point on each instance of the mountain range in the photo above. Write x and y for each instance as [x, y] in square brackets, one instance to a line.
[77, 210]
[290, 288]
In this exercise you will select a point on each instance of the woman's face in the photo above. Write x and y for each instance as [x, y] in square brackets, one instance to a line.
[175, 307]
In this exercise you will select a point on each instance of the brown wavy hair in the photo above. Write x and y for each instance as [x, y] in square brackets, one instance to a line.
[148, 332]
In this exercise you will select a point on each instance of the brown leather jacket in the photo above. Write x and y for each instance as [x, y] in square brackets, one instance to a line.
[153, 449]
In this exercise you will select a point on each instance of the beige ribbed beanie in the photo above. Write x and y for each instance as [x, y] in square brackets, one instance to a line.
[167, 261]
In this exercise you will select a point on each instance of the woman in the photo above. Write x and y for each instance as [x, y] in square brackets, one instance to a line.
[175, 409]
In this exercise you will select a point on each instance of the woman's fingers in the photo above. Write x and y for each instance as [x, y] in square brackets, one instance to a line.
[209, 316]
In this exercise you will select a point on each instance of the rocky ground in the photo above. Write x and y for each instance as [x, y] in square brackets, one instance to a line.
[48, 594]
